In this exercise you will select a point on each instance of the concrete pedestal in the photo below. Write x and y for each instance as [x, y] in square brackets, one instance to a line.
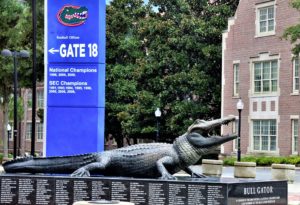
[283, 172]
[245, 169]
[212, 167]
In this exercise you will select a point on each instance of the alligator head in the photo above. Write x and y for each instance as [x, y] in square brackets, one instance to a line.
[72, 15]
[199, 133]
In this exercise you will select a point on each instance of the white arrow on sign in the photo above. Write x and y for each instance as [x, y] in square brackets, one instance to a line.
[53, 51]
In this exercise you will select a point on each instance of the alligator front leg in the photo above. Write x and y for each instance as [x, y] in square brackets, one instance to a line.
[85, 170]
[162, 169]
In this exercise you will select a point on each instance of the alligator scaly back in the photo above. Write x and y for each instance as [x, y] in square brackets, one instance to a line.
[143, 160]
[57, 165]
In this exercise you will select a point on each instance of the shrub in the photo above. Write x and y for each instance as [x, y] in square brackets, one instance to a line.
[229, 161]
[264, 160]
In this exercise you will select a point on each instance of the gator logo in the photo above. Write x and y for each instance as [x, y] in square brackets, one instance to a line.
[70, 15]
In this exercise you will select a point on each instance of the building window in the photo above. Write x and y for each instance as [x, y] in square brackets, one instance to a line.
[265, 77]
[29, 98]
[39, 132]
[264, 135]
[28, 131]
[40, 98]
[265, 19]
[296, 75]
[236, 79]
[295, 134]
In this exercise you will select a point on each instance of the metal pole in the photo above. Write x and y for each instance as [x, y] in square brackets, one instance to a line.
[8, 141]
[239, 138]
[33, 78]
[157, 130]
[15, 104]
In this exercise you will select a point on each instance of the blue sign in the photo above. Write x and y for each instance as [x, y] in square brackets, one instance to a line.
[74, 130]
[77, 85]
[75, 76]
[76, 31]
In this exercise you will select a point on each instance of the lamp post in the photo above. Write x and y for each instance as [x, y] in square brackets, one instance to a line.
[239, 107]
[15, 55]
[8, 128]
[157, 115]
[34, 26]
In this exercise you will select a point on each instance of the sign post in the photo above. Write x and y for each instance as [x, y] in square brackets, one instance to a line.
[74, 76]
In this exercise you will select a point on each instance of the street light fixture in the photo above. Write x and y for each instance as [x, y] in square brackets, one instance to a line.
[239, 107]
[8, 128]
[15, 55]
[157, 115]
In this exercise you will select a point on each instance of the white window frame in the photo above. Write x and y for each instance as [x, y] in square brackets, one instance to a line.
[29, 98]
[39, 131]
[40, 98]
[253, 80]
[296, 69]
[236, 79]
[28, 131]
[258, 8]
[260, 137]
[293, 121]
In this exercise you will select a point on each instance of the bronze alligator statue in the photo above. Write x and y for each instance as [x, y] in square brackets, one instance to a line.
[142, 160]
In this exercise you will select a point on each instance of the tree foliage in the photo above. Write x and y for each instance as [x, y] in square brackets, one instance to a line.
[25, 39]
[124, 48]
[165, 54]
[293, 32]
[12, 26]
[16, 34]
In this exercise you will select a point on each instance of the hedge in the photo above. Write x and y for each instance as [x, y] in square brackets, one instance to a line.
[264, 161]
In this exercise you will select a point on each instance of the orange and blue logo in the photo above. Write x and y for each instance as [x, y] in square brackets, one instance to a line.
[70, 15]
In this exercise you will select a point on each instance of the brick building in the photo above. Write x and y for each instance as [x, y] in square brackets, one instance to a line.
[24, 134]
[259, 67]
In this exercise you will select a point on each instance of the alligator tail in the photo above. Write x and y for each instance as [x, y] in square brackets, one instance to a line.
[56, 165]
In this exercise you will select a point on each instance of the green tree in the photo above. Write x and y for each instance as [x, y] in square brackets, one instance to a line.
[124, 48]
[12, 26]
[25, 39]
[293, 32]
[183, 65]
[169, 58]
[20, 108]
[17, 35]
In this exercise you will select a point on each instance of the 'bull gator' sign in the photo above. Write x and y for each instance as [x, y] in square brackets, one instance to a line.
[74, 76]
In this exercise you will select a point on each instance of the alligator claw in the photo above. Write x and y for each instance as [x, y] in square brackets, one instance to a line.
[167, 177]
[197, 175]
[81, 172]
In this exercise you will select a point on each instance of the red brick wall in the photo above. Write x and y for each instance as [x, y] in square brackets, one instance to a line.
[241, 45]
